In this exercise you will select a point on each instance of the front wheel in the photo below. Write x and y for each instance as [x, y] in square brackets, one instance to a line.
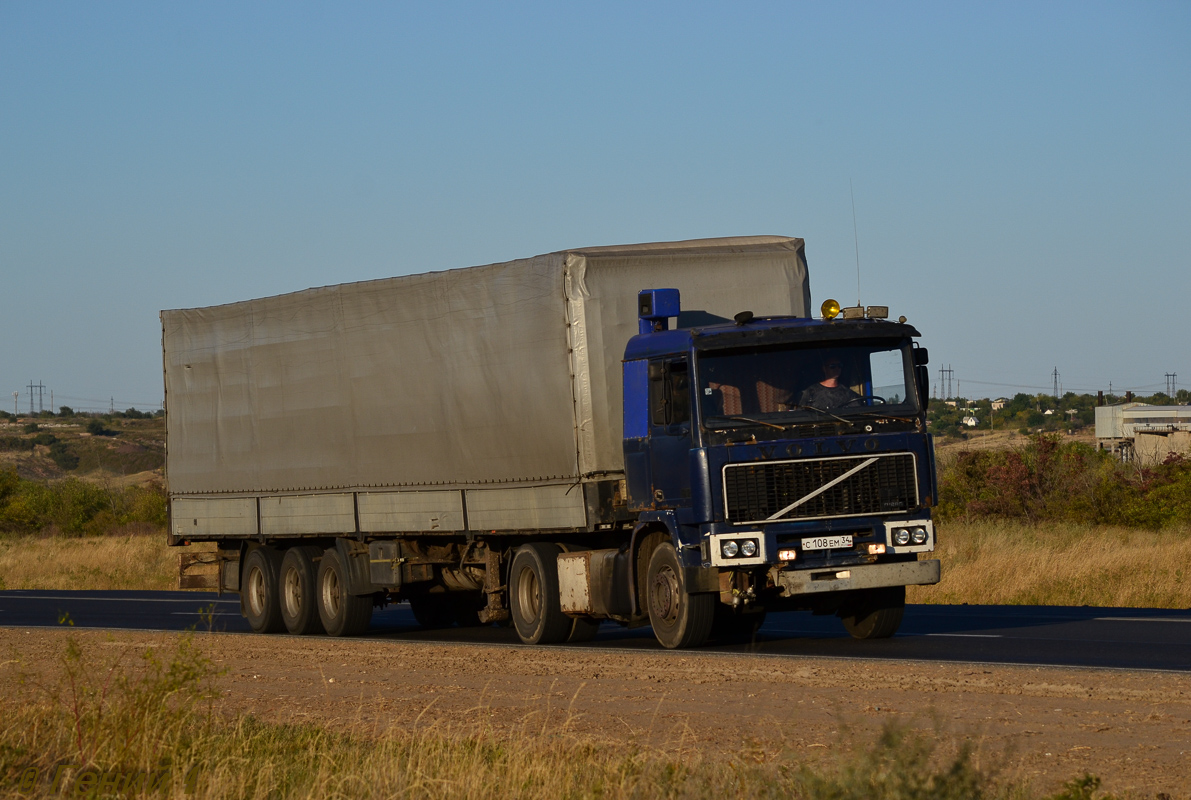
[679, 619]
[874, 613]
[733, 625]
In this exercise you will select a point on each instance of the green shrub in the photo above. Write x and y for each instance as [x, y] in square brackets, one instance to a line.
[63, 456]
[32, 427]
[17, 443]
[96, 428]
[146, 504]
[1060, 481]
[75, 507]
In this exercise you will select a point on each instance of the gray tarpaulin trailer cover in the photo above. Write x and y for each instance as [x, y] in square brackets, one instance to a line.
[471, 399]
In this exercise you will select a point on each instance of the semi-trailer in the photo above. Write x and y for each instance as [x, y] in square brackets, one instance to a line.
[650, 434]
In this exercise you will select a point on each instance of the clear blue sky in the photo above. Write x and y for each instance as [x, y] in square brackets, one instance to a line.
[1022, 172]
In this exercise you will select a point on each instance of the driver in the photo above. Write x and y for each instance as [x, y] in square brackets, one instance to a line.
[829, 392]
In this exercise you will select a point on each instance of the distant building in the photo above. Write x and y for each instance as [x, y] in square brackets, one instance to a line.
[1145, 433]
[971, 422]
[999, 403]
[951, 403]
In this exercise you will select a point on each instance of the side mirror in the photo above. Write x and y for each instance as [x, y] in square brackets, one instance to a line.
[921, 357]
[922, 378]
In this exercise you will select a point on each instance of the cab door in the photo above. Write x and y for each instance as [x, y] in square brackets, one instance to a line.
[670, 431]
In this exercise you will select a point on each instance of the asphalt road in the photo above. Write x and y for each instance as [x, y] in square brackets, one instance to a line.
[1120, 638]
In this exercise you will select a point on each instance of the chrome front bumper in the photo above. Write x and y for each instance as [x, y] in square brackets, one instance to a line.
[866, 576]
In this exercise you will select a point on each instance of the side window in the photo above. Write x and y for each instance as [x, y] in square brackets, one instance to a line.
[680, 393]
[669, 392]
[889, 375]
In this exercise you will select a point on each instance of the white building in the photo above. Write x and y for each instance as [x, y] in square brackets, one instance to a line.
[971, 422]
[1144, 432]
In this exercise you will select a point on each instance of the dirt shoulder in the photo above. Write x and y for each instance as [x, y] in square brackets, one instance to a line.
[1133, 729]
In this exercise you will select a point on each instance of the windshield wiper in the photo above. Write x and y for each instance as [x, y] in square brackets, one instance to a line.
[741, 418]
[820, 411]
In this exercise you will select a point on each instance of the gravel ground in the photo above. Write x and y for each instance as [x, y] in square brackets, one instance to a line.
[1133, 729]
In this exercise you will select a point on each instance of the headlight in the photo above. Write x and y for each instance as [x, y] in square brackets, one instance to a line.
[918, 536]
[748, 548]
[729, 548]
[901, 537]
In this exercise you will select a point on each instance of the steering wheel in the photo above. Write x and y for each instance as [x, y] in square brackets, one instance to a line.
[864, 397]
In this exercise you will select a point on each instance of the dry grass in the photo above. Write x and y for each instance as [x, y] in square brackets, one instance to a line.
[136, 557]
[994, 562]
[983, 563]
[155, 718]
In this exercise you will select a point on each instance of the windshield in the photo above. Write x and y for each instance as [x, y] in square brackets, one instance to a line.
[787, 382]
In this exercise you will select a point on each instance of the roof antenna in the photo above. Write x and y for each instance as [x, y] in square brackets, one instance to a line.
[856, 238]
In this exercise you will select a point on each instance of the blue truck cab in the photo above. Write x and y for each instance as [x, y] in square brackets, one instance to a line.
[787, 460]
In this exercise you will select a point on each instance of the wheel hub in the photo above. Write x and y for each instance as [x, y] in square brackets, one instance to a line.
[331, 593]
[256, 591]
[529, 595]
[293, 593]
[663, 596]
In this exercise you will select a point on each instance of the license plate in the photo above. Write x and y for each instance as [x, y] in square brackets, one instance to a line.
[826, 542]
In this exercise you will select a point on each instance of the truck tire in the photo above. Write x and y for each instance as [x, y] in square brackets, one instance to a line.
[259, 602]
[299, 601]
[730, 625]
[342, 613]
[874, 613]
[679, 619]
[433, 611]
[466, 608]
[533, 592]
[583, 630]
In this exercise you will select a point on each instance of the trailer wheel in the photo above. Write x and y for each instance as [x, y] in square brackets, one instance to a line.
[533, 590]
[874, 613]
[342, 613]
[679, 619]
[259, 602]
[299, 604]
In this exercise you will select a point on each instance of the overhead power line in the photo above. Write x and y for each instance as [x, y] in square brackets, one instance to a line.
[1086, 388]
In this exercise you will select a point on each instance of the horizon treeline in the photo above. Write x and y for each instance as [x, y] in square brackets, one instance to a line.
[1027, 413]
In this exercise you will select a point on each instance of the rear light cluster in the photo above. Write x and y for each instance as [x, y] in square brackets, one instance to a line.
[738, 548]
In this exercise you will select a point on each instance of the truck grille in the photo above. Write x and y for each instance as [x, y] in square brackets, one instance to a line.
[755, 492]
